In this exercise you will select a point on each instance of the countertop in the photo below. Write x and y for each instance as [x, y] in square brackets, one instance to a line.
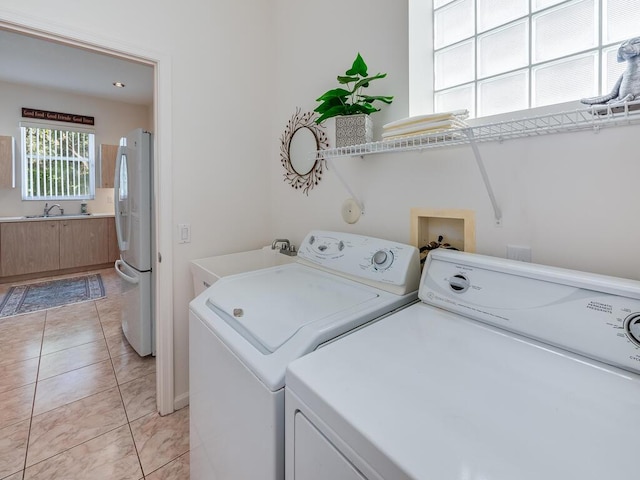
[56, 217]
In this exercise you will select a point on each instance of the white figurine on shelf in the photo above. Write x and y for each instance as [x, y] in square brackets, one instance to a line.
[627, 88]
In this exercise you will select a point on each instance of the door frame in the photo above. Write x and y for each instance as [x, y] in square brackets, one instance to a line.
[162, 202]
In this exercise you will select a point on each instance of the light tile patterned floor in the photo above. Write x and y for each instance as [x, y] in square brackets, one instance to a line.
[76, 402]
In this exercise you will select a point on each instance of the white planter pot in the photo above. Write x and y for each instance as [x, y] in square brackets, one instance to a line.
[353, 130]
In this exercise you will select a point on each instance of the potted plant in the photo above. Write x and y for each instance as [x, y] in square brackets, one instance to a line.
[350, 107]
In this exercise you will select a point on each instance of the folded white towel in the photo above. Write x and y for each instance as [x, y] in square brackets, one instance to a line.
[424, 127]
[449, 133]
[456, 114]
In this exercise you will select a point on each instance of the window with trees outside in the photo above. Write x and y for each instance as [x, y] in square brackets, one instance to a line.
[57, 164]
[497, 56]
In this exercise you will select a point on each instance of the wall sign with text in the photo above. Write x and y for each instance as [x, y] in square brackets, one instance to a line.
[57, 116]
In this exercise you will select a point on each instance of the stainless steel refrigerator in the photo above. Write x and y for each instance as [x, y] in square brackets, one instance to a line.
[134, 228]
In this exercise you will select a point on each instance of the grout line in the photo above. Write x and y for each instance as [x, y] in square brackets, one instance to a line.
[126, 414]
[74, 446]
[33, 403]
[170, 461]
[135, 445]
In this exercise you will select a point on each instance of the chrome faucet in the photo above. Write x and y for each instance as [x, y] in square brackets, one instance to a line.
[47, 209]
[286, 248]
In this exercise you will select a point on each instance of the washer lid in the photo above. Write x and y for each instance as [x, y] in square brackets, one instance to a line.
[268, 307]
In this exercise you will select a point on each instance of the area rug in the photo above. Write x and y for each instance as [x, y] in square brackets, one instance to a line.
[55, 293]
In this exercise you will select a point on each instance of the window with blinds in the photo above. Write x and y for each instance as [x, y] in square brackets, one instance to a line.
[497, 56]
[57, 164]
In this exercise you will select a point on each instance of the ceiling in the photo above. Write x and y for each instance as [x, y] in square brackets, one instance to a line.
[46, 64]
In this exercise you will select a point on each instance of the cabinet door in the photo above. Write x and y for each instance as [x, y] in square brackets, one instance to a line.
[29, 247]
[114, 249]
[108, 154]
[83, 242]
[7, 170]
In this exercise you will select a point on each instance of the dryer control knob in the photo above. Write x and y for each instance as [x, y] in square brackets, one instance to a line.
[459, 283]
[632, 328]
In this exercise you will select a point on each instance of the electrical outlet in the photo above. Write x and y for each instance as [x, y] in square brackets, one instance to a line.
[184, 233]
[519, 252]
[110, 199]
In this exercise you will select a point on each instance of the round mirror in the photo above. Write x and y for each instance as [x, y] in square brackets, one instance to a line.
[302, 150]
[299, 144]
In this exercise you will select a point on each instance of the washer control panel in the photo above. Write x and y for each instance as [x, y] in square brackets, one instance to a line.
[593, 315]
[382, 259]
[389, 265]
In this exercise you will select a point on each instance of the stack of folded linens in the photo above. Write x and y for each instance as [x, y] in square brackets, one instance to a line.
[425, 124]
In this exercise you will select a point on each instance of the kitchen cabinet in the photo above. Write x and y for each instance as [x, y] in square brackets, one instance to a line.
[7, 165]
[29, 247]
[83, 242]
[57, 245]
[108, 154]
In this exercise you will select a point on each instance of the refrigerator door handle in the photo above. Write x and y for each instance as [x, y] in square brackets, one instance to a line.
[123, 243]
[123, 275]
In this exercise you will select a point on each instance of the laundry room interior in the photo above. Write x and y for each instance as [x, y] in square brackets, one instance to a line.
[228, 79]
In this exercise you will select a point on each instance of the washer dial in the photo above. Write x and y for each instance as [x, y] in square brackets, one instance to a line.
[382, 259]
[632, 328]
[459, 283]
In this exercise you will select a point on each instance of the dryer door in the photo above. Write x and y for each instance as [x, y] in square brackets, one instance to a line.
[316, 458]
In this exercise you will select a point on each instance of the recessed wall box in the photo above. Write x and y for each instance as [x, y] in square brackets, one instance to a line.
[457, 227]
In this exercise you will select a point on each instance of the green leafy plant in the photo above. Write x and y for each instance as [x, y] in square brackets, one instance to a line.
[350, 100]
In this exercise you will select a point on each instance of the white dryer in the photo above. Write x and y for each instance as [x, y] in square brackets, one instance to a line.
[246, 328]
[504, 371]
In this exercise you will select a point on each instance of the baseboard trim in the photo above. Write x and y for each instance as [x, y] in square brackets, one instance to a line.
[181, 401]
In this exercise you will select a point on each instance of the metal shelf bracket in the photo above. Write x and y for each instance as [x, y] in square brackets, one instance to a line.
[497, 213]
[333, 167]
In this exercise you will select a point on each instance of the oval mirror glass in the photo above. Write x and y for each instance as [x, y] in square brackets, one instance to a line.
[302, 150]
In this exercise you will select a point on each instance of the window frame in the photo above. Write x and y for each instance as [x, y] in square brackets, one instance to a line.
[422, 91]
[54, 126]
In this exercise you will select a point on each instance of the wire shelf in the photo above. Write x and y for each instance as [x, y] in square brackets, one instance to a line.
[595, 118]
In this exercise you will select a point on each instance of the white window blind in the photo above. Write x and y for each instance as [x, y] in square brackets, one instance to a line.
[497, 56]
[57, 164]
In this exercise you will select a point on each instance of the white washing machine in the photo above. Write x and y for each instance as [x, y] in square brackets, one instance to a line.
[245, 329]
[504, 371]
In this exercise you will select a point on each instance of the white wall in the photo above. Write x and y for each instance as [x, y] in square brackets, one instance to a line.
[221, 76]
[112, 120]
[571, 197]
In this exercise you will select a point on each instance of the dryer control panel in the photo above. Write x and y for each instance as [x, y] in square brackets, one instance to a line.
[391, 266]
[596, 316]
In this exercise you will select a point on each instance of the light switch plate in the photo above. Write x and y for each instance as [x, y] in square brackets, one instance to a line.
[184, 233]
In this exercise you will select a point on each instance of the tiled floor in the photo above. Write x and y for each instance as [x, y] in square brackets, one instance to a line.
[76, 402]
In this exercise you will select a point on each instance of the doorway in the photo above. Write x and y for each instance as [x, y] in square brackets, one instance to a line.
[162, 179]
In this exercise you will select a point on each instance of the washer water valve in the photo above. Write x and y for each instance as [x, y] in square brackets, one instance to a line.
[286, 248]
